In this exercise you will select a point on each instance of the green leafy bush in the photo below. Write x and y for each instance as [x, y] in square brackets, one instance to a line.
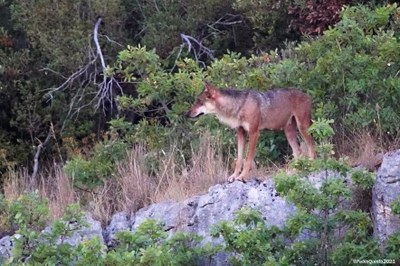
[351, 72]
[363, 178]
[324, 230]
[149, 245]
[395, 205]
[32, 244]
[89, 173]
[249, 241]
[352, 69]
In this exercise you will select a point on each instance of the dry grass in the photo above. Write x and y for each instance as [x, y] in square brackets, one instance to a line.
[131, 187]
[54, 185]
[172, 177]
[207, 167]
[16, 183]
[129, 190]
[365, 148]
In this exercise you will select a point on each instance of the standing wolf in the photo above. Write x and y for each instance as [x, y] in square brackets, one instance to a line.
[250, 111]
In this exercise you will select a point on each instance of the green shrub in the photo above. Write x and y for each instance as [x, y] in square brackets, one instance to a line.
[32, 244]
[89, 173]
[323, 231]
[352, 69]
[395, 205]
[363, 178]
[249, 241]
[149, 245]
[393, 246]
[351, 72]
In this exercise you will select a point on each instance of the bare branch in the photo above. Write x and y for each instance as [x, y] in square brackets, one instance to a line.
[226, 20]
[198, 48]
[37, 155]
[89, 75]
[111, 40]
[53, 71]
[96, 41]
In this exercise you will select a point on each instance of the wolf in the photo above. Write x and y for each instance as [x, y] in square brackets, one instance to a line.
[249, 111]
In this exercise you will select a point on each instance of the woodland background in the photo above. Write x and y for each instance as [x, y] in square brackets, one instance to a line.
[92, 97]
[107, 129]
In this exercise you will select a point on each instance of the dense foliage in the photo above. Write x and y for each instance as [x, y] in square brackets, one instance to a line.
[350, 68]
[351, 72]
[148, 245]
[60, 104]
[327, 229]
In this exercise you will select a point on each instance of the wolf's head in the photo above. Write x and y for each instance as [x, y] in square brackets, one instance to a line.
[205, 101]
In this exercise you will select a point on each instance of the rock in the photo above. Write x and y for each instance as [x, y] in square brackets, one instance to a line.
[79, 234]
[93, 229]
[199, 213]
[173, 215]
[384, 192]
[5, 248]
[223, 201]
[119, 222]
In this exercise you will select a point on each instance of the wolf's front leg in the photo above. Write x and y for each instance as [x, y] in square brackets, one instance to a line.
[253, 136]
[240, 137]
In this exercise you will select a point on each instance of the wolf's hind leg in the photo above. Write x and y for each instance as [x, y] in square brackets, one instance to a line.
[309, 141]
[291, 135]
[303, 124]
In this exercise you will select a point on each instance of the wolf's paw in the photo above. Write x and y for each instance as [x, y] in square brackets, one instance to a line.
[241, 180]
[232, 178]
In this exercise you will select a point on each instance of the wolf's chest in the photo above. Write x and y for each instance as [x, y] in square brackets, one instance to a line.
[233, 122]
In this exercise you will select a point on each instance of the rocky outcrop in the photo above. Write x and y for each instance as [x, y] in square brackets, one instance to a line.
[5, 247]
[385, 191]
[93, 229]
[199, 213]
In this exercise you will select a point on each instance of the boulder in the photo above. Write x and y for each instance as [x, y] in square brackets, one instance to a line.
[199, 213]
[5, 248]
[386, 189]
[93, 229]
[119, 222]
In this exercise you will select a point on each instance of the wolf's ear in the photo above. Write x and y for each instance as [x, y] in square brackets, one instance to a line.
[210, 89]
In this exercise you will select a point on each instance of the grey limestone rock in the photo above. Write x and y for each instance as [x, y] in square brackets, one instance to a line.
[5, 248]
[386, 189]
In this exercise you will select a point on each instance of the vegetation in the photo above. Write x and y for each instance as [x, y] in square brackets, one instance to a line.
[148, 245]
[92, 114]
[327, 229]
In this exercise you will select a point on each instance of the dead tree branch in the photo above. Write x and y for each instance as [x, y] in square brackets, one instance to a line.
[88, 75]
[37, 155]
[226, 20]
[197, 47]
[91, 74]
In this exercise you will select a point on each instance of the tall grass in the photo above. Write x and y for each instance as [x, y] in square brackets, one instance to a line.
[135, 183]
